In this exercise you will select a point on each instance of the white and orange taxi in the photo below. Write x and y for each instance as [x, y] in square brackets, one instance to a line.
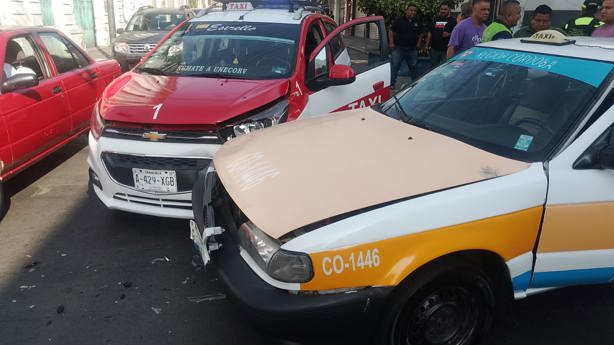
[491, 178]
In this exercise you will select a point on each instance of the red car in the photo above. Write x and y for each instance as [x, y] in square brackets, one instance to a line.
[49, 87]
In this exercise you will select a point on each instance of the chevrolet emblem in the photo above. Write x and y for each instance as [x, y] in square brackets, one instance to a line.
[154, 136]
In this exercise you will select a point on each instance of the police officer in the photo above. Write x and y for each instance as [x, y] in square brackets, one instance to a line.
[501, 28]
[587, 22]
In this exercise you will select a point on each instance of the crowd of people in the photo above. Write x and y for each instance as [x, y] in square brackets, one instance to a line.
[447, 36]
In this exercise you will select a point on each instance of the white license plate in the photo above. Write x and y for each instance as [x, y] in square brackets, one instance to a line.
[199, 241]
[155, 180]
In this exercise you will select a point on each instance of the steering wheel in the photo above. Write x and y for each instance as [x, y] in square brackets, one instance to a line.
[272, 61]
[535, 122]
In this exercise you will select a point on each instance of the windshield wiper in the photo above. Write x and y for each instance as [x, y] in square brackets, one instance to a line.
[152, 70]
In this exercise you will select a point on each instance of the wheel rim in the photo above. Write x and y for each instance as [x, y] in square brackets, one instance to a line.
[446, 316]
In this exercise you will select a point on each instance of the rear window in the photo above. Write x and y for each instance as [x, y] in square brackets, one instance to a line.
[227, 49]
[155, 21]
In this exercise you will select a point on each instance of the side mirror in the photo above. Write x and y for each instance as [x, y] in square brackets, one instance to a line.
[606, 157]
[341, 75]
[600, 155]
[119, 31]
[19, 81]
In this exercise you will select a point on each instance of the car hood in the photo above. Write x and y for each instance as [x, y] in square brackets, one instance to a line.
[299, 173]
[164, 100]
[141, 37]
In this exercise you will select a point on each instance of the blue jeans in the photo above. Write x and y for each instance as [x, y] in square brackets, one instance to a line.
[407, 54]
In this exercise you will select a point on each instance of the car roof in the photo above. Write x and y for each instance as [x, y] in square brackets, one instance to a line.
[592, 48]
[258, 15]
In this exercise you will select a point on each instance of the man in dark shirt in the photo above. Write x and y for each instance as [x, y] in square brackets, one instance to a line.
[539, 21]
[405, 36]
[439, 35]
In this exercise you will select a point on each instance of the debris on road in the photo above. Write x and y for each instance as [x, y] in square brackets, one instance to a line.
[31, 265]
[127, 284]
[160, 259]
[185, 281]
[156, 310]
[32, 306]
[60, 309]
[207, 298]
[27, 287]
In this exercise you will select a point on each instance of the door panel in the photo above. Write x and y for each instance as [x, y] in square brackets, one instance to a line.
[576, 245]
[361, 44]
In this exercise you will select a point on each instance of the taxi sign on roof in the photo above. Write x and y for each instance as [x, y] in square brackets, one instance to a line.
[239, 6]
[551, 37]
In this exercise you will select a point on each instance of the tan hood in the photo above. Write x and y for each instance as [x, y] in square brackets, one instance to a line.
[298, 173]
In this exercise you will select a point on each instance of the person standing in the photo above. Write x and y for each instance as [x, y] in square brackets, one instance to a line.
[587, 22]
[607, 13]
[439, 35]
[465, 12]
[405, 36]
[501, 28]
[469, 32]
[539, 21]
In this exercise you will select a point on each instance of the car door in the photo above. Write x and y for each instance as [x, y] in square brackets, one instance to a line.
[361, 44]
[79, 77]
[576, 245]
[35, 118]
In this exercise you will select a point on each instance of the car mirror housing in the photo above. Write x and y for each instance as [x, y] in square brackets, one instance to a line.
[341, 75]
[19, 81]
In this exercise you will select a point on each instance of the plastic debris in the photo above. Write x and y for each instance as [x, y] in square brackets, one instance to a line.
[31, 265]
[32, 306]
[156, 310]
[14, 301]
[63, 254]
[60, 309]
[160, 260]
[185, 281]
[27, 287]
[207, 298]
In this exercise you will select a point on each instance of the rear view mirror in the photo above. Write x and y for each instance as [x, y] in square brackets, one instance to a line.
[19, 81]
[341, 75]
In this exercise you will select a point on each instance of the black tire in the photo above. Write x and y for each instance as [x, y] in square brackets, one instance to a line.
[451, 303]
[3, 202]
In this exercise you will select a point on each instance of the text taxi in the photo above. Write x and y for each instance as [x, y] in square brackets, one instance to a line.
[492, 177]
[223, 74]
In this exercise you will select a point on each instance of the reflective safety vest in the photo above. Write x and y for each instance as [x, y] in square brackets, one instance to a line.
[583, 26]
[492, 30]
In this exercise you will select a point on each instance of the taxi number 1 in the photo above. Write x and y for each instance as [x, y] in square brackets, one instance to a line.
[361, 260]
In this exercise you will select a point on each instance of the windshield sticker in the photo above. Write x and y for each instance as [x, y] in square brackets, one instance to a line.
[212, 69]
[524, 142]
[590, 72]
[225, 27]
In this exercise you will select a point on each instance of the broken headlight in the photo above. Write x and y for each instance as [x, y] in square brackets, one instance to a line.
[277, 113]
[285, 266]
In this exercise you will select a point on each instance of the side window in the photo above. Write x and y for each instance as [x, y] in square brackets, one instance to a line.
[360, 47]
[60, 52]
[336, 45]
[313, 37]
[78, 55]
[22, 56]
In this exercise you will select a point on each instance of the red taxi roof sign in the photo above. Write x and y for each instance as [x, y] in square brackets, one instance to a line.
[551, 37]
[239, 6]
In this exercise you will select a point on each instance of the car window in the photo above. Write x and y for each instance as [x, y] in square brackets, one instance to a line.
[155, 21]
[515, 104]
[232, 50]
[22, 56]
[336, 45]
[359, 46]
[60, 52]
[313, 37]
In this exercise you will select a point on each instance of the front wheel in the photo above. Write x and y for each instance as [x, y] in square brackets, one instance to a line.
[452, 305]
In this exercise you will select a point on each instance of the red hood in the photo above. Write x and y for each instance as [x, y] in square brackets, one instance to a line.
[185, 100]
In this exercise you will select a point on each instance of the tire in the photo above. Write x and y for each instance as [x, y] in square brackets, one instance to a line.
[451, 303]
[2, 201]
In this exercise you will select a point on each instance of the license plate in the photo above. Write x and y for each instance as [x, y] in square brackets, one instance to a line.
[200, 243]
[155, 180]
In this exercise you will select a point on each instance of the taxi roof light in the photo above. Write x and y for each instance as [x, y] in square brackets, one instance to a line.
[551, 37]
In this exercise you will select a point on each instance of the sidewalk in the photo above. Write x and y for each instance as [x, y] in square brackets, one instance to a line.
[100, 53]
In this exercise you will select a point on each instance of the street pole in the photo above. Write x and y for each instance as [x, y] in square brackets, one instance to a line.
[111, 20]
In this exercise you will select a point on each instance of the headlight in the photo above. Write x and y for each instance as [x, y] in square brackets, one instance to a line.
[282, 265]
[96, 123]
[273, 115]
[121, 47]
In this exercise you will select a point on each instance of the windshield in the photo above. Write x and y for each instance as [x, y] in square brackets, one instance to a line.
[227, 50]
[155, 21]
[514, 104]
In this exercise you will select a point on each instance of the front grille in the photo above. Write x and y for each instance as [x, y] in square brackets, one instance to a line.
[159, 202]
[139, 48]
[120, 167]
[195, 137]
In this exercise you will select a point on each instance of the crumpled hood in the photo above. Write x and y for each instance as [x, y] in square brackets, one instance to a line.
[134, 97]
[295, 174]
[141, 37]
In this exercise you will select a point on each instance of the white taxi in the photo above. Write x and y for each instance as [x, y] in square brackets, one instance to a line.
[491, 178]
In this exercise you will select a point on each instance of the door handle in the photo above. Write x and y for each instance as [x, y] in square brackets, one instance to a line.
[57, 89]
[379, 85]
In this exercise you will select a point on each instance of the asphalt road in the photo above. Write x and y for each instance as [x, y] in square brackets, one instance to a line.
[72, 272]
